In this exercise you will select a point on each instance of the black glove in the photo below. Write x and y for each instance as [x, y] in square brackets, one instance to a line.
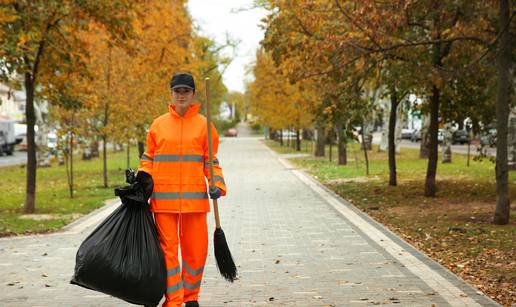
[214, 192]
[146, 182]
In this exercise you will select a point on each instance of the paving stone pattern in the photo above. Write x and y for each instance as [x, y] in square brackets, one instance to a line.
[291, 248]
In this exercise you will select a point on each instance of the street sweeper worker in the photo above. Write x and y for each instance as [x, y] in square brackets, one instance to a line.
[173, 170]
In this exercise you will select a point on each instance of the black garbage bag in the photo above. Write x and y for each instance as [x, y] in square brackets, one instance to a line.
[122, 257]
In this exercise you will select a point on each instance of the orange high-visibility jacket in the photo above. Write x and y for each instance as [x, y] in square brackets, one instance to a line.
[177, 159]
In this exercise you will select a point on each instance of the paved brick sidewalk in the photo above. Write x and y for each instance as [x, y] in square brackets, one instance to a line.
[295, 242]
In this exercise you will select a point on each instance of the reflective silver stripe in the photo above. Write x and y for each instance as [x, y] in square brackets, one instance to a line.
[190, 286]
[192, 271]
[174, 271]
[146, 158]
[178, 158]
[165, 195]
[195, 195]
[193, 158]
[177, 195]
[167, 158]
[219, 179]
[175, 287]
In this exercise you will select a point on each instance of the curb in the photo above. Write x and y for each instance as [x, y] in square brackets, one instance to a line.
[78, 225]
[458, 292]
[91, 218]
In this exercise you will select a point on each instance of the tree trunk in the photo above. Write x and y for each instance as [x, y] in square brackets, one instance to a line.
[281, 137]
[365, 150]
[272, 135]
[503, 203]
[94, 148]
[30, 194]
[106, 120]
[391, 147]
[446, 154]
[469, 152]
[298, 140]
[384, 143]
[104, 158]
[355, 155]
[66, 154]
[341, 143]
[430, 187]
[305, 134]
[369, 143]
[71, 160]
[294, 140]
[291, 142]
[425, 139]
[141, 148]
[128, 154]
[511, 140]
[446, 144]
[330, 149]
[367, 137]
[319, 146]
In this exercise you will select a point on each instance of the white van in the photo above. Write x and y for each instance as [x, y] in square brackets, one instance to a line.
[7, 137]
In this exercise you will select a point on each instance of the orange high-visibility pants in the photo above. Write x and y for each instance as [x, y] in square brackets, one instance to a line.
[191, 231]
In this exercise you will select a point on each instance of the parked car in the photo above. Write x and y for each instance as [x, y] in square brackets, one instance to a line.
[231, 132]
[460, 137]
[356, 131]
[406, 134]
[416, 135]
[286, 134]
[22, 145]
[52, 142]
[7, 137]
[20, 131]
[488, 138]
[440, 136]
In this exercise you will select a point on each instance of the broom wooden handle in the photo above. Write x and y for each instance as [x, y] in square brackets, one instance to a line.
[210, 152]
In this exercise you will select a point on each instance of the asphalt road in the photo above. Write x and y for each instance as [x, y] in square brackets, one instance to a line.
[18, 158]
[460, 149]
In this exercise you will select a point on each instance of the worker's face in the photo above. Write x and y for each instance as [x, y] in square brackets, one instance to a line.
[183, 97]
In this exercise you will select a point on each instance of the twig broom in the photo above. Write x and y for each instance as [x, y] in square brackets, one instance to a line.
[225, 262]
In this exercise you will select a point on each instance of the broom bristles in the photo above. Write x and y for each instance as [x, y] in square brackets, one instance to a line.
[225, 262]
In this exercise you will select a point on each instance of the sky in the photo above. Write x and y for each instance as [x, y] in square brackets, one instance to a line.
[216, 18]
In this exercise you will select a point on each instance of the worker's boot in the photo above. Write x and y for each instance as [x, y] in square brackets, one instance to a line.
[192, 304]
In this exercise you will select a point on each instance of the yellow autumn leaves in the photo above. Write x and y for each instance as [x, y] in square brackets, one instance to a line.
[124, 84]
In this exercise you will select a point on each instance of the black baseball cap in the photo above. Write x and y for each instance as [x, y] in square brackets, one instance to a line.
[182, 79]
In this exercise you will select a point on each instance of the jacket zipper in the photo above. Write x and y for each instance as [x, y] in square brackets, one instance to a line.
[181, 169]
